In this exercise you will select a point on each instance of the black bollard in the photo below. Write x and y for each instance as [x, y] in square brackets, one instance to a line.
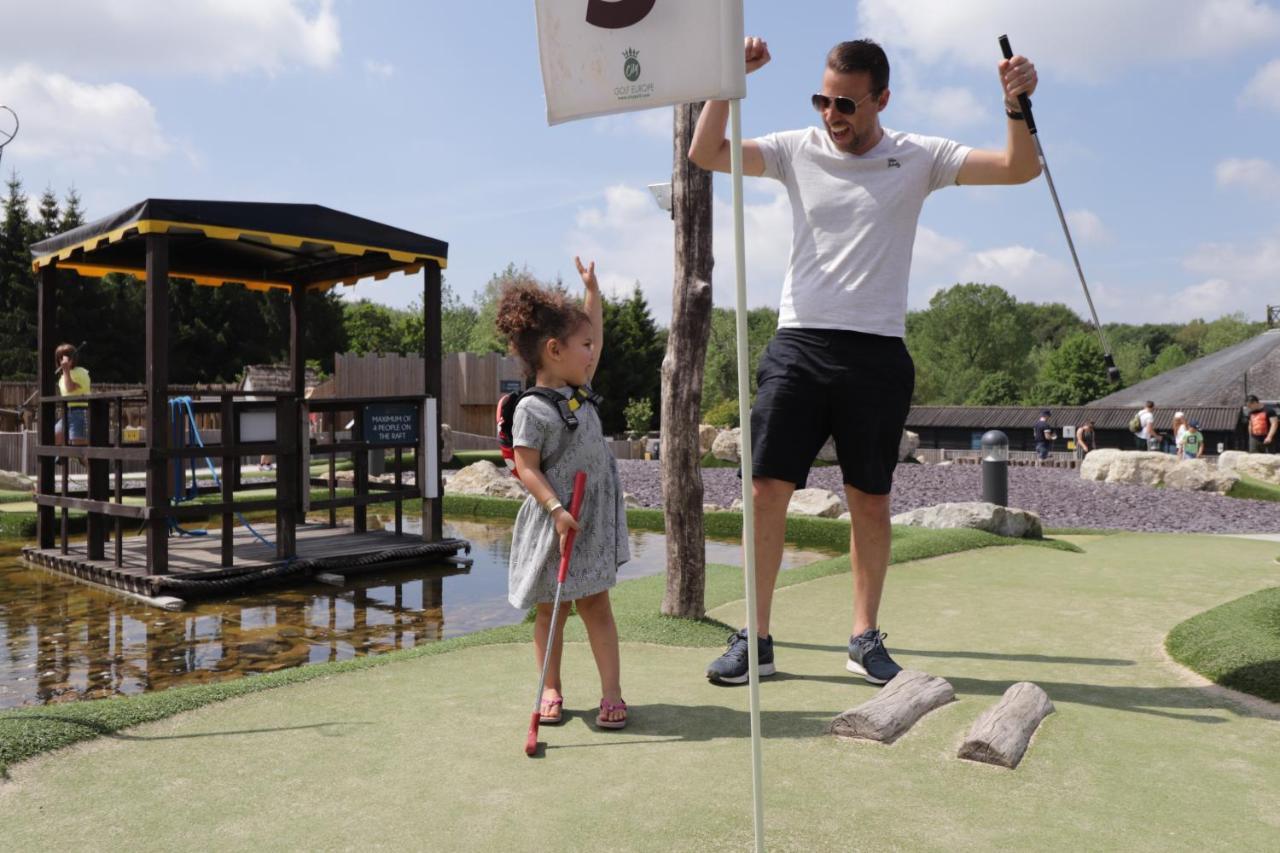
[995, 467]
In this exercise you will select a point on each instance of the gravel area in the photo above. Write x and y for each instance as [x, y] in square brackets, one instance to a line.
[1058, 495]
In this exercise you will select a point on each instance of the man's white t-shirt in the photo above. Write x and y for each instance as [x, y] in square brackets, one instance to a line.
[1147, 418]
[854, 224]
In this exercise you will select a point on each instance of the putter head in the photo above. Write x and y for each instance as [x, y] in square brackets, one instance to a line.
[531, 742]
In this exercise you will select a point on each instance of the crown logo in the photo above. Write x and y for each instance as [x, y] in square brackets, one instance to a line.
[631, 64]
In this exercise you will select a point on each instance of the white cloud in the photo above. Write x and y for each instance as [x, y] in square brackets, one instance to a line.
[1256, 176]
[1264, 89]
[632, 240]
[1086, 39]
[66, 119]
[1087, 226]
[1251, 264]
[948, 107]
[655, 124]
[97, 37]
[1209, 299]
[374, 68]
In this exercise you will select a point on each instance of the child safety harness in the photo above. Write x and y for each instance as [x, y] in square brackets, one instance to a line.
[566, 406]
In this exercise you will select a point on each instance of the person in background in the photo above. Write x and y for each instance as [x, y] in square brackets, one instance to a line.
[1148, 433]
[1191, 445]
[72, 382]
[1085, 438]
[1179, 429]
[1044, 435]
[1262, 426]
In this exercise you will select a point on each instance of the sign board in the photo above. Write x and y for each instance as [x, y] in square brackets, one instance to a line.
[391, 423]
[431, 463]
[257, 425]
[510, 386]
[612, 56]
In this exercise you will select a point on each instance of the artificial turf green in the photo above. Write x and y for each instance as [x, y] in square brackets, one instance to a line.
[9, 497]
[1236, 644]
[25, 732]
[1251, 489]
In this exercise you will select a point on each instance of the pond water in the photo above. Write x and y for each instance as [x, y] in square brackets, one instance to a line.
[63, 641]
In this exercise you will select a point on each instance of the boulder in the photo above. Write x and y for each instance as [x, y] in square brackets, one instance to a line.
[446, 443]
[1002, 521]
[1259, 466]
[711, 508]
[908, 445]
[1197, 475]
[844, 516]
[485, 478]
[727, 446]
[1135, 467]
[736, 506]
[706, 437]
[817, 502]
[12, 481]
[631, 501]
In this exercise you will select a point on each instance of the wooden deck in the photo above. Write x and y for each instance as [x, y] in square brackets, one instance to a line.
[196, 569]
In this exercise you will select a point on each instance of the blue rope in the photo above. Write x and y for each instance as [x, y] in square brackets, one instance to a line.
[176, 407]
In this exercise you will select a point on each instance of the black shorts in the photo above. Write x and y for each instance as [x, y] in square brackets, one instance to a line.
[816, 383]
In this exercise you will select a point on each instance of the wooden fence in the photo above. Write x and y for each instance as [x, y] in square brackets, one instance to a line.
[471, 384]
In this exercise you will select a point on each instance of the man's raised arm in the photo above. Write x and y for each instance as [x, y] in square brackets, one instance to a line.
[710, 148]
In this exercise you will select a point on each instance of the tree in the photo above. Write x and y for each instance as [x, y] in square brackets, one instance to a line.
[1073, 373]
[1170, 357]
[484, 334]
[1227, 331]
[375, 328]
[721, 376]
[996, 389]
[17, 287]
[968, 332]
[631, 364]
[1048, 323]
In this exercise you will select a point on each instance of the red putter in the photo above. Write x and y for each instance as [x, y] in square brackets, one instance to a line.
[575, 504]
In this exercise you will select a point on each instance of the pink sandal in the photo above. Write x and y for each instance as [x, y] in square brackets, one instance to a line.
[607, 707]
[546, 720]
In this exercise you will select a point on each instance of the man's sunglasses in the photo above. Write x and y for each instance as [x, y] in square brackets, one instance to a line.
[844, 106]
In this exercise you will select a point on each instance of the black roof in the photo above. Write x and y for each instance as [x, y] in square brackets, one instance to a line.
[1223, 378]
[260, 244]
[1211, 418]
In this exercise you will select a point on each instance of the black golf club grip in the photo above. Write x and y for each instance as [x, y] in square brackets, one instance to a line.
[1024, 102]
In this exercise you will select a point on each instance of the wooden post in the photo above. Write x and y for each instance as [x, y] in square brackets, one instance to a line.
[298, 376]
[99, 476]
[229, 462]
[360, 465]
[682, 374]
[157, 402]
[47, 310]
[433, 381]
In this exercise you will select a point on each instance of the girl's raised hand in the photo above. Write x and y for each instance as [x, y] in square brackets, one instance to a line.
[588, 274]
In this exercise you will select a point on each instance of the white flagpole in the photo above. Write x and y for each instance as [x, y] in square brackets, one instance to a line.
[748, 502]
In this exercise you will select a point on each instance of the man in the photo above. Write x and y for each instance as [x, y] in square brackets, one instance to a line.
[1262, 426]
[1147, 435]
[838, 366]
[1044, 435]
[1085, 440]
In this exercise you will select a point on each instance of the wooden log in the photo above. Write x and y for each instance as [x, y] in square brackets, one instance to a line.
[896, 708]
[1000, 736]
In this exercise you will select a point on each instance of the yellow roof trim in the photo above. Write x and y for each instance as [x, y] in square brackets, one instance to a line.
[217, 232]
[97, 271]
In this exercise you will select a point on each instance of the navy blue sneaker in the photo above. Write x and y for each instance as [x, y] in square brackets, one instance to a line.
[868, 657]
[731, 667]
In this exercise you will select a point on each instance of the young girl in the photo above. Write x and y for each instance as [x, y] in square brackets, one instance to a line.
[560, 342]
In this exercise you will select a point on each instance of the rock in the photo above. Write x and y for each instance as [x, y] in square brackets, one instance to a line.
[818, 502]
[1135, 467]
[736, 506]
[828, 451]
[1098, 463]
[706, 437]
[908, 445]
[1260, 466]
[13, 481]
[446, 442]
[631, 501]
[844, 516]
[1197, 475]
[485, 478]
[976, 515]
[727, 446]
[711, 508]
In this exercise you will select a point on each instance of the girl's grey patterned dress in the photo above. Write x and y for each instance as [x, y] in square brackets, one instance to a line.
[601, 545]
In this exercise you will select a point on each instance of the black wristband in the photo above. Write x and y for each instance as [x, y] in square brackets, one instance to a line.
[1015, 115]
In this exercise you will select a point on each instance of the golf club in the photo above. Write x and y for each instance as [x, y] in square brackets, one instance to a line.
[1024, 102]
[575, 504]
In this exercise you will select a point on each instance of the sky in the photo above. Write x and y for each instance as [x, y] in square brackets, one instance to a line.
[1159, 120]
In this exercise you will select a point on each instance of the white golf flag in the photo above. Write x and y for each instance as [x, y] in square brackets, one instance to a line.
[612, 56]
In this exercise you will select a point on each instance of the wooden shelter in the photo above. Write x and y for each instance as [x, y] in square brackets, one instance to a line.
[296, 248]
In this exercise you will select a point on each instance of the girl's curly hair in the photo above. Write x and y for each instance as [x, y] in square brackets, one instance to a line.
[530, 315]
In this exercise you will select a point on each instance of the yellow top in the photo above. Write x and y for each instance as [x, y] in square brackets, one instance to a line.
[81, 377]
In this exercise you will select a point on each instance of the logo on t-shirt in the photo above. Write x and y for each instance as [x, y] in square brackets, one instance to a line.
[894, 164]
